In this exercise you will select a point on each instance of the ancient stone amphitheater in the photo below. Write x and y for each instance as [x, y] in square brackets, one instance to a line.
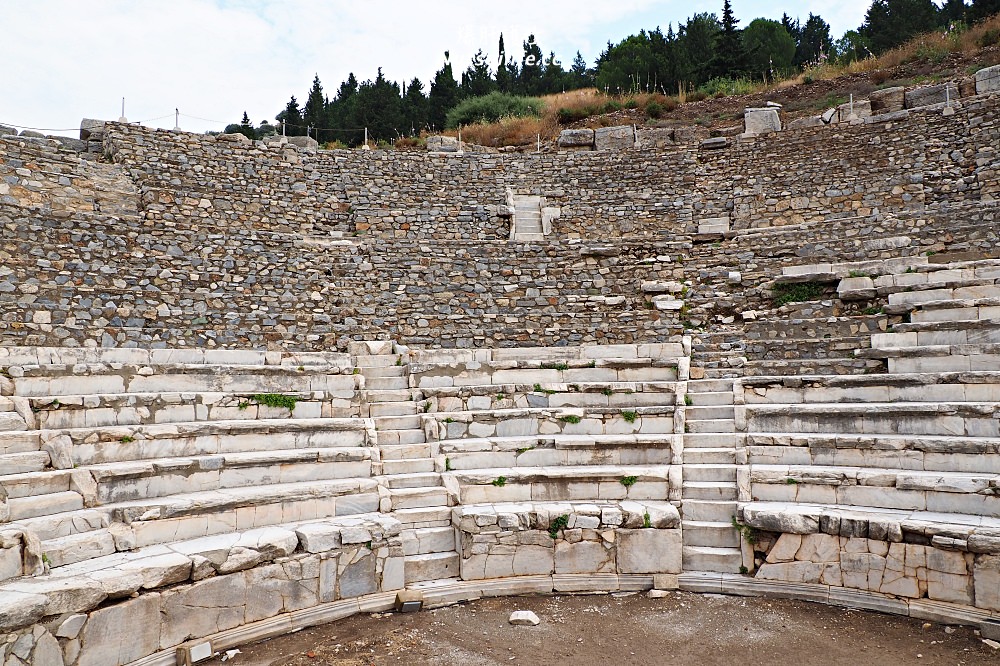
[247, 388]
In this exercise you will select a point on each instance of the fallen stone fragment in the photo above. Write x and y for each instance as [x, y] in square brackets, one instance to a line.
[524, 619]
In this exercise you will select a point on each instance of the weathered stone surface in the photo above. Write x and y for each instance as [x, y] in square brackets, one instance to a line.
[91, 130]
[18, 609]
[802, 123]
[928, 95]
[576, 138]
[656, 137]
[524, 619]
[988, 80]
[121, 633]
[887, 100]
[303, 142]
[761, 121]
[649, 551]
[442, 144]
[614, 138]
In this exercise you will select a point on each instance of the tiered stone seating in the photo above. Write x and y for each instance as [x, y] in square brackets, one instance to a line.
[131, 448]
[846, 470]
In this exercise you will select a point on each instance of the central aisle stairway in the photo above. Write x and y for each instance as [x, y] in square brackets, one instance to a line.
[711, 451]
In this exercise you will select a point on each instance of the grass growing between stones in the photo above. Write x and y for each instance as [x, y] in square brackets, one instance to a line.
[558, 524]
[797, 292]
[748, 533]
[272, 400]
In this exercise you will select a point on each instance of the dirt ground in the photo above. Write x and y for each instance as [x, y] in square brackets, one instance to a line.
[681, 630]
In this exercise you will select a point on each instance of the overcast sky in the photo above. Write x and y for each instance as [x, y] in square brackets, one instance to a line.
[69, 59]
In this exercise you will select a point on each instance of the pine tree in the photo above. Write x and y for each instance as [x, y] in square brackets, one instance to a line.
[443, 96]
[503, 79]
[246, 129]
[983, 9]
[314, 112]
[890, 23]
[378, 108]
[580, 76]
[728, 60]
[532, 67]
[292, 117]
[414, 108]
[477, 79]
[815, 44]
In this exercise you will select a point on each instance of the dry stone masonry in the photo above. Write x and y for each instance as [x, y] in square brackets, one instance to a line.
[252, 387]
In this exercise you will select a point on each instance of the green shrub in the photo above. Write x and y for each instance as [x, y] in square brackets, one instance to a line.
[654, 109]
[491, 108]
[727, 86]
[611, 106]
[632, 104]
[557, 525]
[567, 116]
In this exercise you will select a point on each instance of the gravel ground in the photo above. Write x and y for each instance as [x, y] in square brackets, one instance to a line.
[681, 629]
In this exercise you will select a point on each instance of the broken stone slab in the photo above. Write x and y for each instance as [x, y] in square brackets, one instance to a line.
[442, 144]
[621, 137]
[856, 289]
[928, 95]
[828, 116]
[887, 100]
[713, 225]
[988, 80]
[7, 131]
[656, 137]
[234, 137]
[849, 112]
[303, 142]
[761, 121]
[715, 143]
[20, 609]
[576, 138]
[802, 123]
[524, 619]
[91, 129]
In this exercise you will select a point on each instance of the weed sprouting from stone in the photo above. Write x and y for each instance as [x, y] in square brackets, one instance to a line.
[629, 481]
[558, 524]
[499, 482]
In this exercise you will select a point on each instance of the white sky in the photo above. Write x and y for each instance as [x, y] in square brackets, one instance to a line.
[69, 59]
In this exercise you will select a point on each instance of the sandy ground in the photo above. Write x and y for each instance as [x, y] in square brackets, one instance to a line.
[682, 629]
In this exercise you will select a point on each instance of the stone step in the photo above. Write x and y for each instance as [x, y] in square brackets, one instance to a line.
[33, 506]
[23, 463]
[710, 399]
[24, 441]
[411, 466]
[397, 422]
[711, 425]
[432, 566]
[708, 511]
[377, 361]
[957, 312]
[710, 386]
[709, 413]
[709, 472]
[426, 517]
[427, 540]
[74, 548]
[375, 396]
[68, 523]
[710, 533]
[412, 480]
[419, 450]
[709, 456]
[384, 371]
[710, 490]
[381, 409]
[713, 440]
[706, 558]
[414, 498]
[394, 383]
[391, 438]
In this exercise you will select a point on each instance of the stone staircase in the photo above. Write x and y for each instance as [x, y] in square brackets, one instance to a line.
[411, 488]
[712, 451]
[528, 218]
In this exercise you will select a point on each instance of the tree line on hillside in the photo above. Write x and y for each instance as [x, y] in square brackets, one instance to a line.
[704, 52]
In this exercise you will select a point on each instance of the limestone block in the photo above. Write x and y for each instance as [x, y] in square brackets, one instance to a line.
[214, 605]
[784, 549]
[714, 225]
[20, 609]
[793, 572]
[122, 633]
[986, 582]
[802, 123]
[988, 80]
[584, 557]
[90, 129]
[856, 289]
[160, 570]
[860, 109]
[442, 144]
[236, 137]
[829, 115]
[887, 100]
[928, 95]
[614, 138]
[649, 551]
[576, 138]
[656, 137]
[303, 142]
[524, 619]
[819, 548]
[761, 121]
[47, 651]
